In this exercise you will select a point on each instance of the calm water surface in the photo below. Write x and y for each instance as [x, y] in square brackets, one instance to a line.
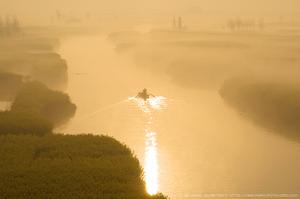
[200, 144]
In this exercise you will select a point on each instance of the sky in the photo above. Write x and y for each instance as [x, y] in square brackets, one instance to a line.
[43, 9]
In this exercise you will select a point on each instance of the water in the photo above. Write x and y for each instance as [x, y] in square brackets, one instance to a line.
[196, 145]
[151, 165]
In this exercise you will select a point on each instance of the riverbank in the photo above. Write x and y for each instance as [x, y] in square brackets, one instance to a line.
[58, 166]
[36, 163]
[197, 118]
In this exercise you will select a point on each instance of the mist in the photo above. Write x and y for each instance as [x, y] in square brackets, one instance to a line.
[150, 99]
[117, 11]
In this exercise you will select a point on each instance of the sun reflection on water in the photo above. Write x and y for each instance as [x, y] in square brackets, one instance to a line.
[151, 167]
[147, 106]
[151, 164]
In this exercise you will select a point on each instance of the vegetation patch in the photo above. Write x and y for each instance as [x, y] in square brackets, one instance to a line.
[60, 166]
[25, 123]
[34, 57]
[9, 86]
[274, 105]
[36, 110]
[37, 99]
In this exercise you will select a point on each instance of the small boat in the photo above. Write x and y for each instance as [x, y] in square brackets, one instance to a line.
[144, 95]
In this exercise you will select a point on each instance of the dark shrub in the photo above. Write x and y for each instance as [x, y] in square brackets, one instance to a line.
[36, 98]
[23, 123]
[9, 85]
[274, 105]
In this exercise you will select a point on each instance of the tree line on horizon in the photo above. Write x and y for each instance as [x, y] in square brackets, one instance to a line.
[9, 26]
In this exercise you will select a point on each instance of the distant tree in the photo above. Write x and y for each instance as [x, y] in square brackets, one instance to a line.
[231, 25]
[10, 26]
[244, 24]
[174, 25]
[239, 23]
[180, 26]
[15, 25]
[58, 15]
[261, 24]
[1, 27]
[7, 29]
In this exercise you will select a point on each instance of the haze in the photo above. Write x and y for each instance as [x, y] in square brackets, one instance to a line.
[34, 11]
[141, 99]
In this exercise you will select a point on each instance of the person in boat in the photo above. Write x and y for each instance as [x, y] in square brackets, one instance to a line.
[145, 95]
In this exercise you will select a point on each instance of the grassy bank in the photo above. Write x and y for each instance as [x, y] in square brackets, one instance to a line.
[9, 85]
[204, 60]
[36, 110]
[273, 105]
[33, 57]
[58, 166]
[37, 99]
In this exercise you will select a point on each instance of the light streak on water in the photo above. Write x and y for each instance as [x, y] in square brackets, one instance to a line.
[151, 167]
[147, 106]
[151, 163]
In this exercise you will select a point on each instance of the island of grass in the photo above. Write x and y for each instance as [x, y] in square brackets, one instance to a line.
[273, 105]
[35, 163]
[61, 166]
[34, 57]
[9, 85]
[36, 110]
[38, 99]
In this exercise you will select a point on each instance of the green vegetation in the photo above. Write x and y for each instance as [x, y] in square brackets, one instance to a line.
[37, 99]
[9, 27]
[35, 163]
[205, 59]
[34, 58]
[25, 123]
[58, 166]
[273, 105]
[36, 110]
[9, 86]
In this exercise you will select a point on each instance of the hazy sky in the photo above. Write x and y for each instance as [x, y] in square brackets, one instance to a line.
[149, 8]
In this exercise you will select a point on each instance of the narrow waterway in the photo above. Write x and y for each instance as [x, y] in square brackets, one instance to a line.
[201, 145]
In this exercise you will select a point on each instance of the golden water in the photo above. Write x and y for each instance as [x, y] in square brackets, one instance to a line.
[151, 165]
[197, 144]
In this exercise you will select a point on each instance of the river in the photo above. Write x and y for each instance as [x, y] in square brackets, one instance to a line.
[201, 144]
